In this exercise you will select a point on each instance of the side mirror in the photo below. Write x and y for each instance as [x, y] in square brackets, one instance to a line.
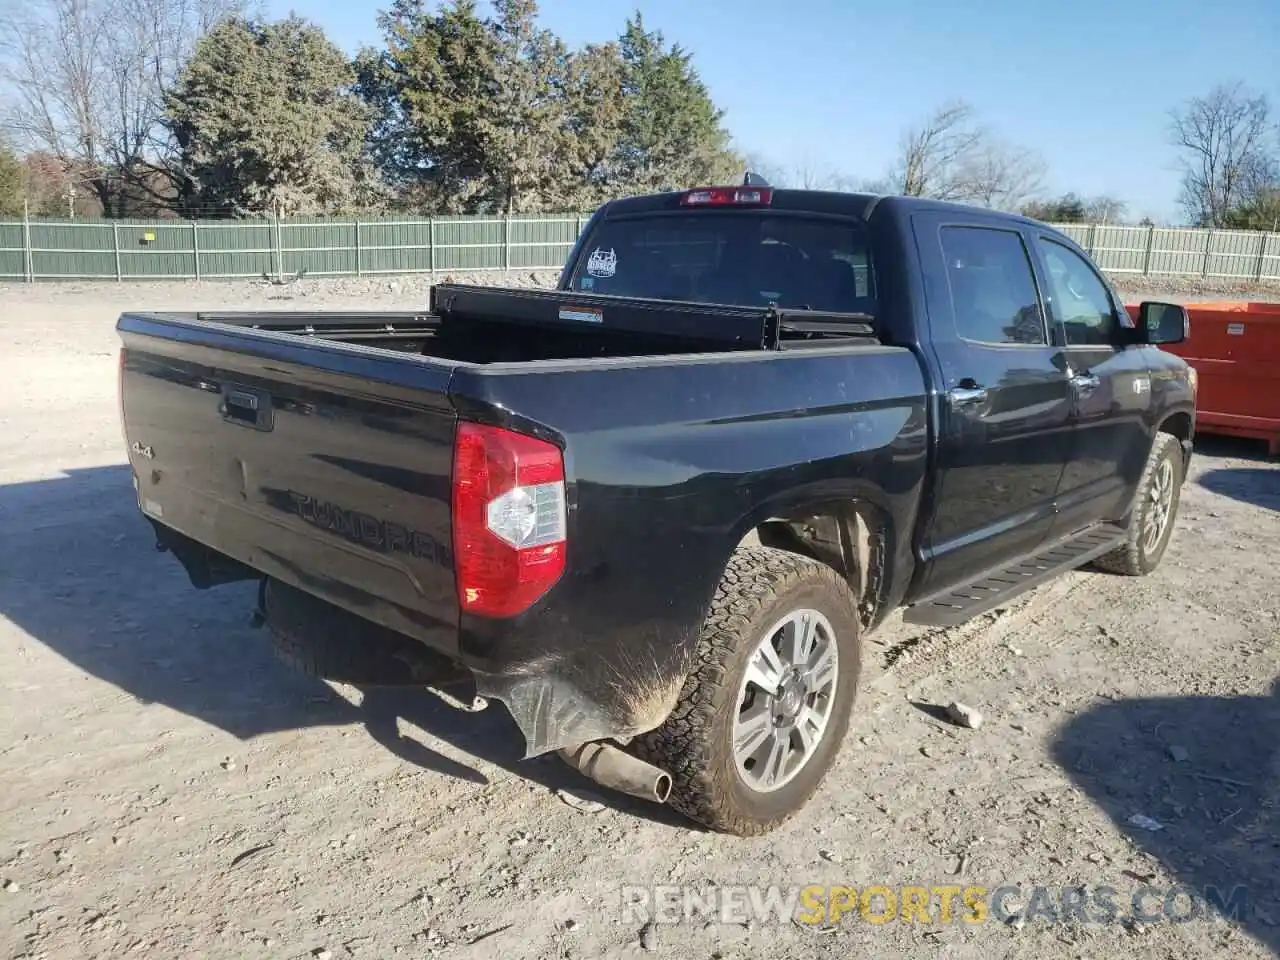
[1163, 322]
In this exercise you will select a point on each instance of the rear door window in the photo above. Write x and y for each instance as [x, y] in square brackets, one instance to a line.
[744, 259]
[993, 289]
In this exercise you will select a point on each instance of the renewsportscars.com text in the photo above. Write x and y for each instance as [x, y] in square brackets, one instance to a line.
[827, 904]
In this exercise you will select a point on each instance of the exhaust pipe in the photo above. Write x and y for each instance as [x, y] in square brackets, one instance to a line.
[617, 770]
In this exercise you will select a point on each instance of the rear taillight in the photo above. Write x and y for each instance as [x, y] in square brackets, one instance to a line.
[509, 524]
[728, 197]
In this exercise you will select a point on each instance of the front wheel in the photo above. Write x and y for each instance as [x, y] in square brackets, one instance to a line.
[767, 705]
[1155, 509]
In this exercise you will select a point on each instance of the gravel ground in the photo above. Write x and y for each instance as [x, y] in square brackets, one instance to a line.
[1189, 289]
[173, 790]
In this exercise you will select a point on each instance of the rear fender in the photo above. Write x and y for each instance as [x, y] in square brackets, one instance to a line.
[852, 535]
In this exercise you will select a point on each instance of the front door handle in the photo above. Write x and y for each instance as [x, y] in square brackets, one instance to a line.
[968, 394]
[1086, 383]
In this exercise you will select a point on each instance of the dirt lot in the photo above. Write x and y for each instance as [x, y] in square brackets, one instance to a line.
[171, 790]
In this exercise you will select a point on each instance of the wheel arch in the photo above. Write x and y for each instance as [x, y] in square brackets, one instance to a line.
[854, 536]
[1180, 424]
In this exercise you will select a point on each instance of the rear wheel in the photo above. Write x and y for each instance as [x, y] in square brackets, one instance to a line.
[763, 713]
[1155, 509]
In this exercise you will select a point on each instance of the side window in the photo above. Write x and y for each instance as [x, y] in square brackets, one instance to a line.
[1078, 296]
[993, 290]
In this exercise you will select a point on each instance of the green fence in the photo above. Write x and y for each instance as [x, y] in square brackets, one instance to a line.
[225, 249]
[222, 249]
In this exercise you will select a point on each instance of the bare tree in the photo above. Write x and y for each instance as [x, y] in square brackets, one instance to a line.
[950, 156]
[1223, 141]
[86, 81]
[999, 175]
[810, 174]
[1105, 209]
[805, 174]
[933, 152]
[755, 162]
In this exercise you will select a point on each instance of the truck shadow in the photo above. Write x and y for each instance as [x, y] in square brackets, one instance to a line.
[1235, 448]
[80, 575]
[1258, 485]
[1207, 768]
[1253, 485]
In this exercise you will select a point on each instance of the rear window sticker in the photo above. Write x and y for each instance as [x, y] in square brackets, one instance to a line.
[602, 263]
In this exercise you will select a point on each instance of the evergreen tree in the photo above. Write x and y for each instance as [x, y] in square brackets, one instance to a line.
[12, 190]
[432, 87]
[497, 115]
[672, 133]
[1262, 212]
[524, 129]
[596, 112]
[266, 120]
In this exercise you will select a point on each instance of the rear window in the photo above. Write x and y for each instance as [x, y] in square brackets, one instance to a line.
[744, 259]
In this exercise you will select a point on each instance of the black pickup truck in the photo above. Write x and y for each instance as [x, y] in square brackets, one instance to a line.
[655, 511]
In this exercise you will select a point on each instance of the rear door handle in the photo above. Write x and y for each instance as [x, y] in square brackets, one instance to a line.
[1086, 383]
[968, 394]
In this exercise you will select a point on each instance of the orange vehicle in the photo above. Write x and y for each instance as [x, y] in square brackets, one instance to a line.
[1235, 348]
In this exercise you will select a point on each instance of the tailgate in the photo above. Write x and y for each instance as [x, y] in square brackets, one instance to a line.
[323, 464]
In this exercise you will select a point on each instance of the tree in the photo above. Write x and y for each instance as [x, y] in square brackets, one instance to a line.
[497, 114]
[1105, 209]
[1226, 158]
[525, 130]
[474, 112]
[672, 133]
[999, 175]
[804, 174]
[1067, 208]
[54, 190]
[1070, 208]
[430, 88]
[87, 80]
[949, 156]
[12, 188]
[932, 153]
[266, 120]
[595, 115]
[1262, 212]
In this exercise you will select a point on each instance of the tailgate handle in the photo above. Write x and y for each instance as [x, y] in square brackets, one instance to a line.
[247, 407]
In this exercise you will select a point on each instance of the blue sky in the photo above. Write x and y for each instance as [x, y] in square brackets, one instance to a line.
[1087, 83]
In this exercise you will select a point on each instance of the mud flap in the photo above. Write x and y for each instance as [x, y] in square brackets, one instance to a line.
[557, 704]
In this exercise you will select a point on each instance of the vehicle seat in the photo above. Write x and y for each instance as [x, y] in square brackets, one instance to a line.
[779, 269]
[653, 275]
[836, 288]
[973, 290]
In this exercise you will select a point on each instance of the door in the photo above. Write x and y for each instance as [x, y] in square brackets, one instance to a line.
[1005, 404]
[1110, 387]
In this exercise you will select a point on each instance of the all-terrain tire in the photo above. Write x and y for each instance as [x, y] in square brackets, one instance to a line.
[1138, 557]
[328, 642]
[694, 744]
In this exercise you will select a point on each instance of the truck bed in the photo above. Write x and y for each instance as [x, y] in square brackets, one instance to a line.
[319, 450]
[483, 325]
